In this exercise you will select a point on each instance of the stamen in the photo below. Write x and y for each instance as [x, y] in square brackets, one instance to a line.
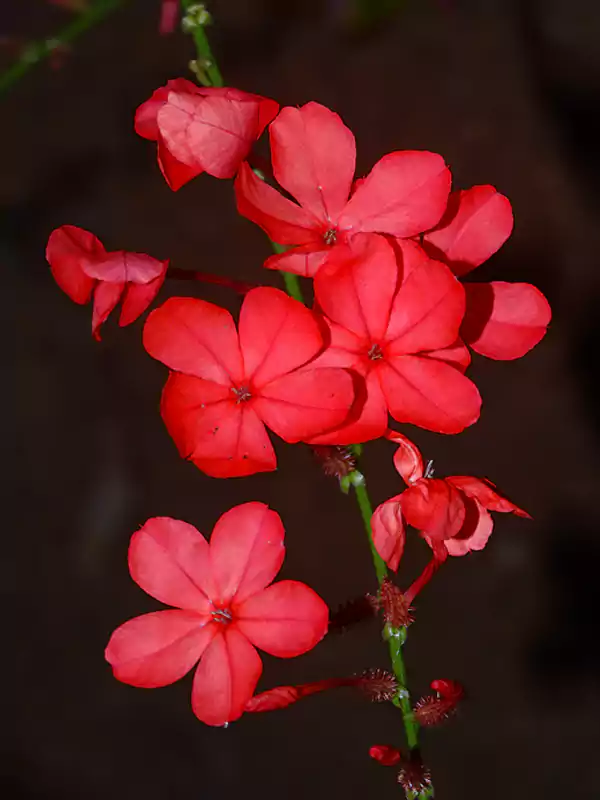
[375, 353]
[222, 615]
[243, 394]
[330, 237]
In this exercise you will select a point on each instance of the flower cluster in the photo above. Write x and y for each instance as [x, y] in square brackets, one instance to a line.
[390, 334]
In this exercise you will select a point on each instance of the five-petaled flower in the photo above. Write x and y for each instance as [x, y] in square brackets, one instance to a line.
[393, 316]
[502, 320]
[202, 129]
[313, 155]
[82, 267]
[452, 514]
[222, 609]
[225, 387]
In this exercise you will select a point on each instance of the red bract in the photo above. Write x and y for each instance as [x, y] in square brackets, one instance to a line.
[225, 388]
[222, 609]
[395, 324]
[313, 155]
[451, 513]
[82, 267]
[199, 129]
[502, 320]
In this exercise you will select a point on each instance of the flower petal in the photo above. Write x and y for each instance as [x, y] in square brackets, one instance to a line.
[504, 320]
[475, 531]
[389, 535]
[159, 648]
[225, 678]
[407, 458]
[285, 620]
[429, 393]
[486, 493]
[247, 551]
[404, 194]
[277, 335]
[457, 355]
[356, 286]
[175, 172]
[427, 311]
[106, 297]
[196, 338]
[138, 296]
[304, 260]
[368, 417]
[305, 403]
[313, 156]
[476, 223]
[67, 247]
[435, 507]
[282, 221]
[123, 267]
[212, 128]
[169, 559]
[223, 438]
[145, 117]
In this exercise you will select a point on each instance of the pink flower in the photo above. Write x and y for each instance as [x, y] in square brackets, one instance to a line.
[452, 514]
[202, 129]
[224, 609]
[313, 156]
[226, 387]
[393, 319]
[502, 320]
[82, 267]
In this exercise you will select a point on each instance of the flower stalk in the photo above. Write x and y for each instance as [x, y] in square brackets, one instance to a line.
[36, 52]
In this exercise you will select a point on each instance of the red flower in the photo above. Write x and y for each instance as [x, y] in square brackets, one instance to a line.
[199, 129]
[82, 267]
[502, 320]
[225, 388]
[313, 155]
[451, 513]
[222, 609]
[396, 326]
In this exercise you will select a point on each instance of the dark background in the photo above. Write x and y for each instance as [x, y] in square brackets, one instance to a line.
[508, 93]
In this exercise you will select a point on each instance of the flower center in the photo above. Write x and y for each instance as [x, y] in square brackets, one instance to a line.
[330, 237]
[375, 353]
[242, 393]
[222, 615]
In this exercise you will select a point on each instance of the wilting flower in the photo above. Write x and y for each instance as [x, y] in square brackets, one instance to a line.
[395, 324]
[82, 267]
[430, 711]
[502, 320]
[226, 387]
[202, 129]
[222, 609]
[452, 514]
[313, 156]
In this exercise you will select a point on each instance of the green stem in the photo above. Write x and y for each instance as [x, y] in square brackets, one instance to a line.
[208, 66]
[292, 284]
[37, 51]
[396, 637]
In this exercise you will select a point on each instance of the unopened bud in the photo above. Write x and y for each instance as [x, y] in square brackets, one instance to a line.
[430, 711]
[385, 754]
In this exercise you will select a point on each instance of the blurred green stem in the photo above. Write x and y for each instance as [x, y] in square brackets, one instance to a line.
[38, 51]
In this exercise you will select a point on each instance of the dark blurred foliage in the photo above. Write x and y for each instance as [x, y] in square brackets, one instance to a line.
[508, 92]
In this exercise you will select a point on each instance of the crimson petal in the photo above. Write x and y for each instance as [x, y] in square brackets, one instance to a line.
[170, 560]
[223, 438]
[285, 620]
[404, 194]
[246, 550]
[313, 156]
[225, 678]
[389, 535]
[159, 648]
[475, 225]
[504, 320]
